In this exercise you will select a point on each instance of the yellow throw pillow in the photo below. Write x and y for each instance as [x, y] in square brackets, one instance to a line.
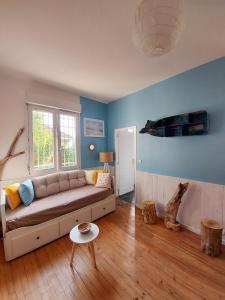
[90, 176]
[96, 174]
[12, 193]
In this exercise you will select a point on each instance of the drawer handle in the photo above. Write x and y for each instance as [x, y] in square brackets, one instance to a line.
[38, 238]
[77, 220]
[104, 208]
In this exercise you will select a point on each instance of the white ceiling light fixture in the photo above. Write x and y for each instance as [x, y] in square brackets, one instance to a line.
[158, 24]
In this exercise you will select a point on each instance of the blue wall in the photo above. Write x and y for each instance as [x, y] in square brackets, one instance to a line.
[196, 157]
[95, 110]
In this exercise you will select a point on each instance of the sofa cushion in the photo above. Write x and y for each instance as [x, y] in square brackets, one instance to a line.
[13, 197]
[26, 191]
[54, 183]
[90, 176]
[76, 179]
[46, 185]
[103, 181]
[54, 206]
[64, 183]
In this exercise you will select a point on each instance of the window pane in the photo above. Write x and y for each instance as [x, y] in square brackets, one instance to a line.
[68, 140]
[43, 140]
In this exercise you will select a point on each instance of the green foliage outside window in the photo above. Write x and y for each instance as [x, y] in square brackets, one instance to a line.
[43, 143]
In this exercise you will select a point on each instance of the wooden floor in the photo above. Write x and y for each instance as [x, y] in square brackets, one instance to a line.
[135, 261]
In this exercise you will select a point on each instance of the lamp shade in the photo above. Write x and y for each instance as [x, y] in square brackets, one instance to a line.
[105, 157]
[157, 26]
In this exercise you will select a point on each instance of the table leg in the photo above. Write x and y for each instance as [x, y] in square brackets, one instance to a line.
[92, 252]
[73, 250]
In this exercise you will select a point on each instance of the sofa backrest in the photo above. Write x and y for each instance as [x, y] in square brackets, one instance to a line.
[55, 183]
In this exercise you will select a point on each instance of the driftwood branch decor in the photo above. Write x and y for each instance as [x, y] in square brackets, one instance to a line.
[9, 155]
[211, 237]
[172, 207]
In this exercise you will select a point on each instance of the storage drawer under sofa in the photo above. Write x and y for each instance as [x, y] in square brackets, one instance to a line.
[102, 208]
[73, 219]
[28, 239]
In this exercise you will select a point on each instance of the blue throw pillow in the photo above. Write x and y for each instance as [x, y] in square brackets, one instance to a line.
[26, 191]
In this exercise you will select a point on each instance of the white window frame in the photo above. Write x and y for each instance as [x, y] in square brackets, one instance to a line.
[77, 142]
[56, 132]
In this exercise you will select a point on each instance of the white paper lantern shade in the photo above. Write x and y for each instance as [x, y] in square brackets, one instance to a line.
[158, 24]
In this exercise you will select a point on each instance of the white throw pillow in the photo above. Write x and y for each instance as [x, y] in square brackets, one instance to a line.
[90, 176]
[104, 180]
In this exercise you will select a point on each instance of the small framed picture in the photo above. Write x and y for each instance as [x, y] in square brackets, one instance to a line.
[94, 127]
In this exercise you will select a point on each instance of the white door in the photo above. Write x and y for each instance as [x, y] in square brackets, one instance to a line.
[125, 143]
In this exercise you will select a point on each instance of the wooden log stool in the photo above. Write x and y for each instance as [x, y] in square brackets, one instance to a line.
[149, 212]
[211, 237]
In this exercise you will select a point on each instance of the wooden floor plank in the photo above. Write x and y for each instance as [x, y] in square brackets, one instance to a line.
[134, 261]
[155, 261]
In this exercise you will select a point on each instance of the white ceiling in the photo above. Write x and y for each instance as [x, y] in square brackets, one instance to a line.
[86, 45]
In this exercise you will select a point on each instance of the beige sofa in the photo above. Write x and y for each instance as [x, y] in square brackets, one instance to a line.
[62, 200]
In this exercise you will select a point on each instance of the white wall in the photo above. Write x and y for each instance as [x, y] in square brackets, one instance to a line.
[202, 199]
[14, 93]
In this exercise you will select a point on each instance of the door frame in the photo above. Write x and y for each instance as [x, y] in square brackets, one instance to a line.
[116, 155]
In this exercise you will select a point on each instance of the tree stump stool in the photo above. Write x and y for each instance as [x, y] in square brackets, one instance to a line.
[149, 212]
[211, 237]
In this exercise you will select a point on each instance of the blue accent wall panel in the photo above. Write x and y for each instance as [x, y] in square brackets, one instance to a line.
[194, 157]
[94, 110]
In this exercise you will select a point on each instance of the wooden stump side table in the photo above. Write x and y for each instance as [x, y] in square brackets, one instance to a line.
[84, 238]
[149, 212]
[211, 237]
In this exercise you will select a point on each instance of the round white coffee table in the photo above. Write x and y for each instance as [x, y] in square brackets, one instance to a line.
[84, 238]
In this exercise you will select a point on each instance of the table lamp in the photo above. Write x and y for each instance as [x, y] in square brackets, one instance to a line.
[106, 158]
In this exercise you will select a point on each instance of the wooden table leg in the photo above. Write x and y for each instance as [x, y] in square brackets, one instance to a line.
[92, 252]
[73, 250]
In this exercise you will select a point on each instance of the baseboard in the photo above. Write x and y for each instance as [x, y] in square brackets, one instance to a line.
[138, 205]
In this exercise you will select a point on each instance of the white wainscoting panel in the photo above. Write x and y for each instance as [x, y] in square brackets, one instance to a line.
[212, 201]
[202, 200]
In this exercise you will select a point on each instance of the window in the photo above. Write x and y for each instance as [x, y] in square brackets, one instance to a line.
[67, 140]
[43, 140]
[53, 139]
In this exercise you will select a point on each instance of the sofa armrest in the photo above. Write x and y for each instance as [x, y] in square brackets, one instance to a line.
[2, 206]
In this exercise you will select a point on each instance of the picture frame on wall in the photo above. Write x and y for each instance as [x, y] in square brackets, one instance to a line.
[94, 127]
